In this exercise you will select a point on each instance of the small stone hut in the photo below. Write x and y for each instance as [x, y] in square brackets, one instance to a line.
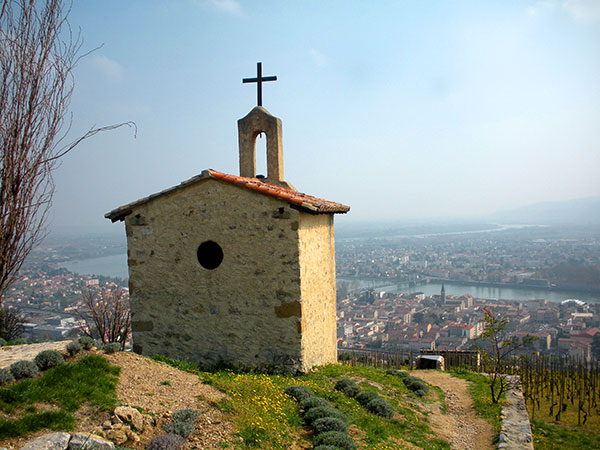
[234, 270]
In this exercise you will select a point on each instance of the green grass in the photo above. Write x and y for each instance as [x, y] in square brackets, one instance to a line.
[548, 433]
[60, 392]
[267, 418]
[479, 388]
[547, 436]
[441, 398]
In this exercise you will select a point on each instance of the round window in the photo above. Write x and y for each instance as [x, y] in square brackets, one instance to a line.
[210, 255]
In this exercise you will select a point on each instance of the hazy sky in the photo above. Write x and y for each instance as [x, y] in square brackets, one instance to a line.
[400, 109]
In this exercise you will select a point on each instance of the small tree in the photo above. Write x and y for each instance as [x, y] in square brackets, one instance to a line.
[106, 316]
[498, 350]
[11, 324]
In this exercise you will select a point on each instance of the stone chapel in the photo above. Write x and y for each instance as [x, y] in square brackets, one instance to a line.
[234, 270]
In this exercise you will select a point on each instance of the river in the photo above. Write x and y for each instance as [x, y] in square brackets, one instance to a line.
[108, 266]
[116, 266]
[476, 291]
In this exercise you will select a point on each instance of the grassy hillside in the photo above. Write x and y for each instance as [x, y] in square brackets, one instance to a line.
[256, 405]
[265, 417]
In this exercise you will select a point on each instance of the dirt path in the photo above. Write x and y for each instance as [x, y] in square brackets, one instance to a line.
[460, 425]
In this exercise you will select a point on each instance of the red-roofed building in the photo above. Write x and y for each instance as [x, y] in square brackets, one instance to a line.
[587, 334]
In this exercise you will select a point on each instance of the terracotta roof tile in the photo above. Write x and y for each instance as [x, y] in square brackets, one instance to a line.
[309, 202]
[303, 201]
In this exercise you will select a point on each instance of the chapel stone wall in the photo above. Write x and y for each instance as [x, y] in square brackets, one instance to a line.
[246, 312]
[317, 285]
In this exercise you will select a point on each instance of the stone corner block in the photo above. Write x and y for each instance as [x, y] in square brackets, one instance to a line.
[51, 441]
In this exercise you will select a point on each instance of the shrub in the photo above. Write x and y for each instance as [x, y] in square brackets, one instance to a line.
[183, 429]
[380, 407]
[312, 402]
[415, 384]
[73, 348]
[366, 396]
[336, 439]
[2, 342]
[343, 383]
[404, 375]
[49, 358]
[23, 369]
[348, 387]
[186, 415]
[6, 377]
[352, 391]
[326, 447]
[86, 342]
[322, 411]
[421, 392]
[166, 442]
[18, 341]
[111, 347]
[299, 392]
[325, 424]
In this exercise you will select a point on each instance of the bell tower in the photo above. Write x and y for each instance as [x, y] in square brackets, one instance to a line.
[258, 121]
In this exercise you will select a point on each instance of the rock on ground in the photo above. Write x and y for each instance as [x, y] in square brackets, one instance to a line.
[52, 441]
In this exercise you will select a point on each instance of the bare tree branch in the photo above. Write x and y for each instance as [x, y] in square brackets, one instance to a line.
[36, 84]
[106, 316]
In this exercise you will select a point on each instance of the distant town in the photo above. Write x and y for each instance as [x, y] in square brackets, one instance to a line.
[542, 258]
[376, 320]
[370, 317]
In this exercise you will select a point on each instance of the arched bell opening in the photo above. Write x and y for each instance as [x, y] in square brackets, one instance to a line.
[260, 154]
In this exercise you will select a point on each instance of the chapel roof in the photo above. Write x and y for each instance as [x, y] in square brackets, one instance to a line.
[296, 199]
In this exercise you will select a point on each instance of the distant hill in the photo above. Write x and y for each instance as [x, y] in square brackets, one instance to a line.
[584, 211]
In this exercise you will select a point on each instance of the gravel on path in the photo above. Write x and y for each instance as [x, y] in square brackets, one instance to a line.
[461, 426]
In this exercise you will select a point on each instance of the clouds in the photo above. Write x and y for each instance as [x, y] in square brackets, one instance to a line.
[583, 11]
[542, 7]
[108, 68]
[586, 11]
[226, 6]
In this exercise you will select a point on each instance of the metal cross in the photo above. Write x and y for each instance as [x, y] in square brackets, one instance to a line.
[259, 80]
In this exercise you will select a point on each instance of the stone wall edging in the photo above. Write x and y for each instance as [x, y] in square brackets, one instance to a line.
[515, 433]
